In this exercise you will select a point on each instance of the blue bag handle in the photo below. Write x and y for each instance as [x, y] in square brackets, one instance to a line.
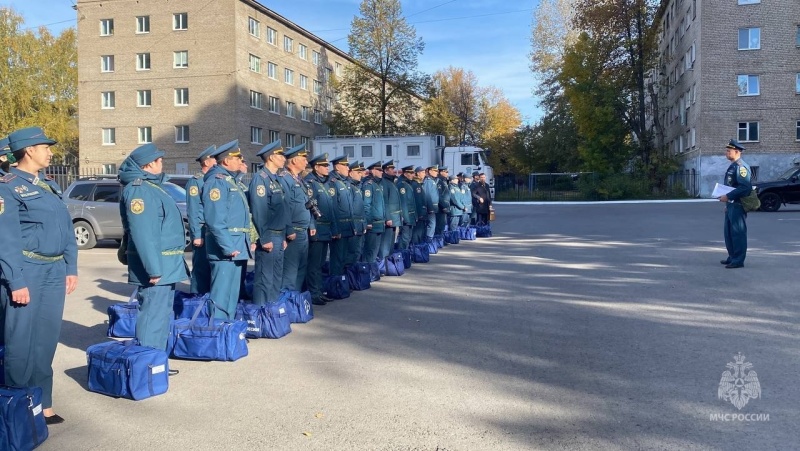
[211, 312]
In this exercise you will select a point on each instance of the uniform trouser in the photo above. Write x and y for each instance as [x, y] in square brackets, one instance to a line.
[736, 233]
[339, 252]
[295, 261]
[454, 222]
[268, 271]
[464, 220]
[372, 245]
[430, 228]
[387, 242]
[405, 236]
[201, 269]
[155, 312]
[482, 218]
[317, 251]
[441, 220]
[226, 280]
[354, 246]
[30, 332]
[418, 234]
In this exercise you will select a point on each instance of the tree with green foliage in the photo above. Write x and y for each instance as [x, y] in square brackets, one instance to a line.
[39, 81]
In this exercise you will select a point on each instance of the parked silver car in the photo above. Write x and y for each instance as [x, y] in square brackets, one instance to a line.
[93, 203]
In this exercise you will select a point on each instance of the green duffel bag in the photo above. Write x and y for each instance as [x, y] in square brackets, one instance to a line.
[751, 202]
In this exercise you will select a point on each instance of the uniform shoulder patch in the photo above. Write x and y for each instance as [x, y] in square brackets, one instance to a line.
[221, 176]
[2, 205]
[402, 190]
[194, 191]
[331, 192]
[137, 206]
[262, 173]
[214, 194]
[261, 190]
[199, 176]
[7, 178]
[367, 193]
[742, 171]
[137, 182]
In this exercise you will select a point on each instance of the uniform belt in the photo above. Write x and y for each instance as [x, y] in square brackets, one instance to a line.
[43, 258]
[239, 229]
[276, 230]
[323, 223]
[174, 252]
[301, 229]
[397, 212]
[346, 220]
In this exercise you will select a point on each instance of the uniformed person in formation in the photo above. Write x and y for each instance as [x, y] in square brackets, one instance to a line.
[456, 204]
[321, 190]
[418, 235]
[4, 151]
[271, 220]
[375, 212]
[344, 214]
[409, 206]
[394, 210]
[431, 189]
[466, 196]
[295, 257]
[38, 265]
[738, 177]
[155, 247]
[443, 186]
[227, 217]
[356, 244]
[201, 269]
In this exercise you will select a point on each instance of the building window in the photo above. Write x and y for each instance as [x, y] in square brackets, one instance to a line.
[180, 21]
[272, 37]
[748, 85]
[338, 69]
[748, 131]
[288, 76]
[315, 57]
[107, 63]
[256, 135]
[272, 71]
[290, 109]
[180, 59]
[797, 37]
[290, 139]
[181, 96]
[797, 131]
[256, 99]
[142, 24]
[143, 98]
[254, 27]
[317, 116]
[302, 50]
[108, 100]
[749, 2]
[109, 136]
[413, 150]
[366, 151]
[305, 140]
[317, 87]
[181, 133]
[274, 106]
[142, 61]
[749, 38]
[145, 135]
[288, 44]
[350, 151]
[274, 135]
[693, 137]
[303, 82]
[304, 113]
[255, 63]
[106, 27]
[797, 83]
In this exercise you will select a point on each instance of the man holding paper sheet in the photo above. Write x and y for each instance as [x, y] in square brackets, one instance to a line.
[737, 177]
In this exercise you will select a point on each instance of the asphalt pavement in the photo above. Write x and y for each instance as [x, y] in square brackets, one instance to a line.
[604, 326]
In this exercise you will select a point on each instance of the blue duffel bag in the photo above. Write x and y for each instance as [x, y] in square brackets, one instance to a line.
[336, 287]
[299, 305]
[249, 282]
[374, 272]
[439, 241]
[185, 304]
[265, 321]
[208, 338]
[124, 369]
[22, 423]
[358, 276]
[122, 318]
[470, 233]
[394, 265]
[420, 253]
[2, 365]
[483, 230]
[407, 260]
[432, 248]
[451, 237]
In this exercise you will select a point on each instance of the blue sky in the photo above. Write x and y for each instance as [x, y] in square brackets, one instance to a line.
[489, 37]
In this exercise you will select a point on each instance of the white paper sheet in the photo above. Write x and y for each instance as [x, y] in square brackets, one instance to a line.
[721, 190]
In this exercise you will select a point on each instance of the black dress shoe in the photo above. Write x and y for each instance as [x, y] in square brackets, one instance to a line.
[727, 261]
[318, 302]
[734, 265]
[53, 419]
[172, 372]
[326, 298]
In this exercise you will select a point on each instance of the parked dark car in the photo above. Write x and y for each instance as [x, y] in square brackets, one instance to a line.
[784, 190]
[179, 179]
[93, 203]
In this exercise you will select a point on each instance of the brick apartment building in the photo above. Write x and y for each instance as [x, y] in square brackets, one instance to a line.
[730, 69]
[186, 74]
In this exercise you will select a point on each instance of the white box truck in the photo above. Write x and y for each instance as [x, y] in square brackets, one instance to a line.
[406, 150]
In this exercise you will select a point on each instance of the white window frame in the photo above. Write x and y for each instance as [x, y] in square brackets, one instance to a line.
[416, 154]
[290, 109]
[291, 138]
[288, 76]
[108, 100]
[145, 135]
[797, 83]
[302, 51]
[303, 82]
[750, 32]
[317, 87]
[288, 44]
[364, 148]
[274, 105]
[315, 57]
[256, 135]
[143, 61]
[142, 24]
[256, 100]
[180, 59]
[180, 21]
[349, 151]
[274, 135]
[181, 134]
[304, 113]
[745, 81]
[748, 2]
[106, 27]
[254, 27]
[144, 98]
[272, 37]
[255, 63]
[693, 137]
[109, 136]
[797, 131]
[338, 69]
[317, 117]
[181, 96]
[747, 132]
[272, 70]
[107, 63]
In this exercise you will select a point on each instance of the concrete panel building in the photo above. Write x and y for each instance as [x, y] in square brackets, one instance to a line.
[185, 75]
[730, 69]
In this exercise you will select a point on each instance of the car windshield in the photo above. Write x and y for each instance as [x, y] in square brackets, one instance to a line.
[175, 191]
[788, 174]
